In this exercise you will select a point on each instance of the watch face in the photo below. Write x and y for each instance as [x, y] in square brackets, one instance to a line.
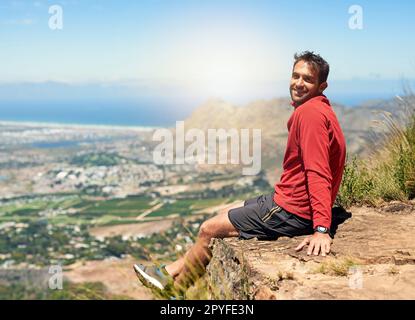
[322, 229]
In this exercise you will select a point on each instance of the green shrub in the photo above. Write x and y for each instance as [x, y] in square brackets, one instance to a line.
[357, 185]
[389, 173]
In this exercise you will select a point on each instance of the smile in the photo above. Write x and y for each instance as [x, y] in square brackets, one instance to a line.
[299, 93]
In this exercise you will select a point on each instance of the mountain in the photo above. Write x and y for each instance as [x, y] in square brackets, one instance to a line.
[271, 116]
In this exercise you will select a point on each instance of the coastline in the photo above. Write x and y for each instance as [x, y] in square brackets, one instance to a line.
[76, 125]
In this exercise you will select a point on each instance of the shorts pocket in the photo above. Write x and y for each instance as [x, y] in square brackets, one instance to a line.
[269, 213]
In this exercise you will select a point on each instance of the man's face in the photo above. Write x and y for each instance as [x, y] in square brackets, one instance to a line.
[305, 83]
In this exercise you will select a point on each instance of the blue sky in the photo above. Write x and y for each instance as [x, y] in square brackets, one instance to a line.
[187, 51]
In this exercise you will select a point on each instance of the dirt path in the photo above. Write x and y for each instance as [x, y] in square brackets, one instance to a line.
[147, 212]
[132, 230]
[117, 275]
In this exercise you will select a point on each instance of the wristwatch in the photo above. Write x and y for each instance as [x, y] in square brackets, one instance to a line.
[321, 229]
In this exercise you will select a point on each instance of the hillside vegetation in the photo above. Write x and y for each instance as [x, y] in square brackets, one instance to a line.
[389, 173]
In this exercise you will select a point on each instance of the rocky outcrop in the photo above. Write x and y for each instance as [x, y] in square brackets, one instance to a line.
[372, 257]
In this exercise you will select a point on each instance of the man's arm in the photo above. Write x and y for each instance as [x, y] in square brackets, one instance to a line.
[314, 142]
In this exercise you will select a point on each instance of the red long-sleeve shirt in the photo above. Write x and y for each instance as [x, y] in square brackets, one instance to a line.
[313, 162]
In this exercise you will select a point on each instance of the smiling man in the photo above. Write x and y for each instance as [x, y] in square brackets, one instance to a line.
[302, 201]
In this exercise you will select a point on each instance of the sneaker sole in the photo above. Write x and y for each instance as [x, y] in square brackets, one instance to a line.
[146, 279]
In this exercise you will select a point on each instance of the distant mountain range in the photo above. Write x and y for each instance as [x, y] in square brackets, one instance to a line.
[271, 116]
[152, 102]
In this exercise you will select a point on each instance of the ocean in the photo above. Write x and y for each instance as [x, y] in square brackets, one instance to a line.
[116, 113]
[122, 112]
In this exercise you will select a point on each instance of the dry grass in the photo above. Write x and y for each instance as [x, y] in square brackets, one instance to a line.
[337, 267]
[389, 173]
[393, 270]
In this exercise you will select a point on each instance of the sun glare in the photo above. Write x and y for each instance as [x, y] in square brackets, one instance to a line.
[223, 64]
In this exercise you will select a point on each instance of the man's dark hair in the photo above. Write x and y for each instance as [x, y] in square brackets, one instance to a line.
[316, 61]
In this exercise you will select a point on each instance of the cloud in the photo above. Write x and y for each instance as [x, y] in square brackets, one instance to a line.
[19, 22]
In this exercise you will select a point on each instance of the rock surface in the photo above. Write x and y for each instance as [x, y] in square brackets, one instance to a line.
[372, 257]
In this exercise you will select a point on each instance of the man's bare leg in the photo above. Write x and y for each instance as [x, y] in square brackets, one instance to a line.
[176, 267]
[200, 247]
[199, 254]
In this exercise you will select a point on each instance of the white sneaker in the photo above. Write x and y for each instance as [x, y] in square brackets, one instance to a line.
[152, 276]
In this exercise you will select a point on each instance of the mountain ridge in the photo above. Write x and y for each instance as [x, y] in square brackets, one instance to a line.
[359, 124]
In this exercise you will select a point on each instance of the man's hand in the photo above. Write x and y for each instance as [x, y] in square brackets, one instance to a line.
[316, 243]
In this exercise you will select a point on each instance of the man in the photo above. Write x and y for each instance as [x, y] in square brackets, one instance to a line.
[303, 198]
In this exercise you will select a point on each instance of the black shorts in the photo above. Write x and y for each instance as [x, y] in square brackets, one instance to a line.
[262, 218]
